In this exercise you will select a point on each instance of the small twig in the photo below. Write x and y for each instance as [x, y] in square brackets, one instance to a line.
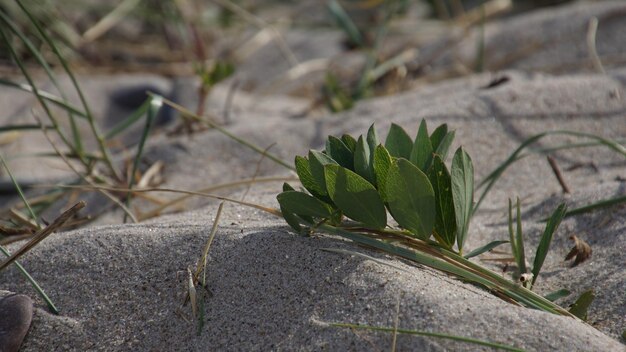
[557, 173]
[45, 232]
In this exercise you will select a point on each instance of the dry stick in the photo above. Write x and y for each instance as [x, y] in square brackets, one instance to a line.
[557, 173]
[45, 232]
[84, 178]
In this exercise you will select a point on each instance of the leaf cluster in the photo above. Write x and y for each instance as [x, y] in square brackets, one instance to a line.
[363, 179]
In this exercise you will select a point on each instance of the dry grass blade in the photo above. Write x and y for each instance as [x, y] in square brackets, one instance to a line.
[591, 45]
[45, 232]
[109, 21]
[272, 211]
[67, 162]
[205, 253]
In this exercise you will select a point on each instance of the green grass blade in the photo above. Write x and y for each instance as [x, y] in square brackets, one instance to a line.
[154, 106]
[553, 296]
[129, 121]
[257, 149]
[35, 90]
[493, 176]
[519, 240]
[463, 268]
[19, 191]
[480, 250]
[597, 205]
[24, 127]
[546, 239]
[345, 22]
[34, 283]
[37, 55]
[94, 128]
[46, 96]
[430, 334]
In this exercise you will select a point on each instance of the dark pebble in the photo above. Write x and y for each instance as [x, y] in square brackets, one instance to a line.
[16, 312]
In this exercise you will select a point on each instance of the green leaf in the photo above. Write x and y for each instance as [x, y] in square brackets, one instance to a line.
[303, 169]
[398, 142]
[553, 296]
[444, 146]
[357, 198]
[422, 152]
[349, 141]
[462, 174]
[546, 238]
[362, 161]
[291, 218]
[438, 134]
[517, 239]
[303, 204]
[445, 220]
[580, 307]
[382, 162]
[411, 198]
[317, 160]
[372, 141]
[339, 152]
[480, 250]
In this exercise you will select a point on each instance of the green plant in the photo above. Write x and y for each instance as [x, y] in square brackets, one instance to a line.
[361, 179]
[522, 273]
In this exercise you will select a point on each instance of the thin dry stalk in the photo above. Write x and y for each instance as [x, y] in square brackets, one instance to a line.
[256, 170]
[558, 174]
[109, 21]
[42, 234]
[591, 45]
[83, 177]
